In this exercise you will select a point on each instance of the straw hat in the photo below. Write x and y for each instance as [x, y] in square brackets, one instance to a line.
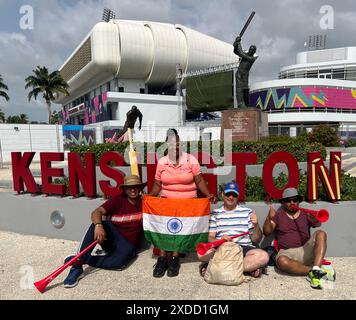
[131, 181]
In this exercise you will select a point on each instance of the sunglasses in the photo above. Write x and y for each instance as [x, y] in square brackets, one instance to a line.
[229, 194]
[291, 199]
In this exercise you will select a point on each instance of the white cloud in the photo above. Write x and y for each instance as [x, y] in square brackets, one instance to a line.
[278, 29]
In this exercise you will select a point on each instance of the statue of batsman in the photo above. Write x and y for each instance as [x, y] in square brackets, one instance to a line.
[131, 117]
[246, 62]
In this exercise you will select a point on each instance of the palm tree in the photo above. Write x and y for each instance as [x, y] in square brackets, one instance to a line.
[3, 87]
[55, 117]
[22, 118]
[3, 94]
[48, 84]
[2, 117]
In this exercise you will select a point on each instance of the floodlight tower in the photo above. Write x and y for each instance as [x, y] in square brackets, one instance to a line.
[316, 42]
[108, 15]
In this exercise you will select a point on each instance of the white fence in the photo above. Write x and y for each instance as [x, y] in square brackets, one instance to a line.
[51, 138]
[29, 137]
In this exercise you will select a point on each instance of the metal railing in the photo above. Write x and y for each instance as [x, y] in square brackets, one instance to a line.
[313, 109]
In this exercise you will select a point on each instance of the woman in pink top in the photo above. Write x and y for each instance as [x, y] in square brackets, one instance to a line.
[178, 175]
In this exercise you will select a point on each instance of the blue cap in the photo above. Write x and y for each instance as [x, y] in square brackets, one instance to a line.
[231, 187]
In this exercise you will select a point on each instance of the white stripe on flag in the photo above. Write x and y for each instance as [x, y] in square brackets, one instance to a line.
[175, 225]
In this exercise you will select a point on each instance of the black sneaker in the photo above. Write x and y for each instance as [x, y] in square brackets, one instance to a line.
[173, 267]
[160, 267]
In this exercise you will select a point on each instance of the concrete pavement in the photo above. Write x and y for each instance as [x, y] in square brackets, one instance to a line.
[28, 258]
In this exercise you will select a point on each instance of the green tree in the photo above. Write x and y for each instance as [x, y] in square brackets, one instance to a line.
[48, 84]
[2, 117]
[3, 94]
[3, 88]
[22, 118]
[326, 135]
[55, 117]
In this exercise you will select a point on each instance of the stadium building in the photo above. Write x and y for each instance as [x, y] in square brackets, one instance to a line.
[319, 89]
[123, 63]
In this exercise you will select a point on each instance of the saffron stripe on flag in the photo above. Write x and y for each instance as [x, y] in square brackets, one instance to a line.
[176, 207]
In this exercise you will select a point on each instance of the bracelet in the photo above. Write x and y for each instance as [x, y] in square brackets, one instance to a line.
[97, 224]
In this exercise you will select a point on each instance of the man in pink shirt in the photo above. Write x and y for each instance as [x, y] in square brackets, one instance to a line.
[178, 175]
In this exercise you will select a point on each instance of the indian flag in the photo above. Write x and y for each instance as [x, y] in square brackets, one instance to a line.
[175, 224]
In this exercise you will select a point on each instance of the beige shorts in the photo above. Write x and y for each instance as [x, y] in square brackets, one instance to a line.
[304, 254]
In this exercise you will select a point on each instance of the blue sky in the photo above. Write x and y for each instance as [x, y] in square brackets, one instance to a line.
[279, 30]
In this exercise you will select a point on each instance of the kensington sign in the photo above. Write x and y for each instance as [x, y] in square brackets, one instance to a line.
[82, 170]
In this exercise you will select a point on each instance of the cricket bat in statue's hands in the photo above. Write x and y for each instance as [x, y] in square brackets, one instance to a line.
[132, 156]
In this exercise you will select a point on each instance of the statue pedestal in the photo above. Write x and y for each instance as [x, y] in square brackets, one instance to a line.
[248, 124]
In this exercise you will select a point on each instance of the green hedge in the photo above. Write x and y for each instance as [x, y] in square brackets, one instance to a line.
[299, 147]
[255, 190]
[350, 143]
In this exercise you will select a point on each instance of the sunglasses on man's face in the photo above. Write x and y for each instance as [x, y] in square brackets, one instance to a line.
[295, 200]
[229, 194]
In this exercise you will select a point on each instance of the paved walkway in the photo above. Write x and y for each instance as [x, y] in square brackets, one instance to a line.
[29, 258]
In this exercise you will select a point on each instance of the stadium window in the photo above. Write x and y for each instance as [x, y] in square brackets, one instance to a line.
[285, 131]
[300, 74]
[351, 74]
[338, 74]
[273, 131]
[312, 74]
[142, 90]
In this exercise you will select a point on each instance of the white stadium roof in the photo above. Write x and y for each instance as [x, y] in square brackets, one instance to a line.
[142, 50]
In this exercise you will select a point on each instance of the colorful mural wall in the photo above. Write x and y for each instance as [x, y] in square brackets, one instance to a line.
[77, 135]
[95, 110]
[304, 97]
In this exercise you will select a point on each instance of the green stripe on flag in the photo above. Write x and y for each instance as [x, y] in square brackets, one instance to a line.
[178, 243]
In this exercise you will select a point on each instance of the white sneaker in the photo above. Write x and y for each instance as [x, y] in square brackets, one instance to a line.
[330, 272]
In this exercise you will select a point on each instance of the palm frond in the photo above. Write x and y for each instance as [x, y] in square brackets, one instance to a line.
[3, 87]
[4, 95]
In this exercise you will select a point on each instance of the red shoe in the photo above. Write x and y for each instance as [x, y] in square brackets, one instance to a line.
[326, 262]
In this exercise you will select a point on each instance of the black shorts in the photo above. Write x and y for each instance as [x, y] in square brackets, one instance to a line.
[246, 249]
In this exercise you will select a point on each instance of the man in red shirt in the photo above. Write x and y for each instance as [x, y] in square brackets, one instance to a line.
[119, 236]
[300, 253]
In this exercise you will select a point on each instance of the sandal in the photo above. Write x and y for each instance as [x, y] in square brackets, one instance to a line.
[202, 268]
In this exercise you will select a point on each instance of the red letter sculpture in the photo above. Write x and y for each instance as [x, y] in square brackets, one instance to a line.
[21, 173]
[47, 172]
[267, 175]
[110, 172]
[87, 175]
[331, 182]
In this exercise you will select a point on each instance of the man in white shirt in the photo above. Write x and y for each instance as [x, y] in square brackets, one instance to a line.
[230, 220]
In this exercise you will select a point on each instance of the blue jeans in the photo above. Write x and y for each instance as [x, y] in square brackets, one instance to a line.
[119, 250]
